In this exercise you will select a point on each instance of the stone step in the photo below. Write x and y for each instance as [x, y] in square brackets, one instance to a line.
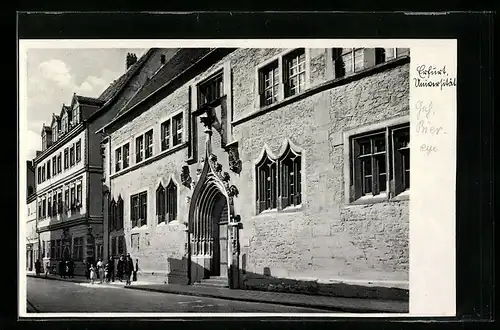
[215, 281]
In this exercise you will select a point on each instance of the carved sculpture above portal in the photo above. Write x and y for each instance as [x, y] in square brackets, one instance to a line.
[235, 163]
[186, 177]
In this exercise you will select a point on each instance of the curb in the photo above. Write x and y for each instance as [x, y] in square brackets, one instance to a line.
[262, 300]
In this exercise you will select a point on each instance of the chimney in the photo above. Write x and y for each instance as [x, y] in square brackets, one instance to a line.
[131, 59]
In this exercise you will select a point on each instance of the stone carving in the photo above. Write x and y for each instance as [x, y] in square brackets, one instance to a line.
[198, 172]
[186, 177]
[235, 163]
[232, 191]
[213, 158]
[225, 176]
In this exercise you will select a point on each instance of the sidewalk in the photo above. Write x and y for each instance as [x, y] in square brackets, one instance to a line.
[337, 304]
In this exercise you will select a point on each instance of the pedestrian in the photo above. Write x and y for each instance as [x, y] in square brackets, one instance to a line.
[119, 268]
[100, 270]
[71, 268]
[66, 268]
[134, 279]
[93, 274]
[37, 267]
[128, 268]
[111, 269]
[106, 271]
[62, 269]
[47, 268]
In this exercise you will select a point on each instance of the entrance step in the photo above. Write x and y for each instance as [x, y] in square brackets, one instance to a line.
[214, 281]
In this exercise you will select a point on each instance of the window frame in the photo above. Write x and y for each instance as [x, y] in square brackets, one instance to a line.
[78, 151]
[352, 196]
[72, 155]
[139, 210]
[286, 78]
[216, 75]
[171, 200]
[148, 144]
[274, 65]
[160, 203]
[66, 158]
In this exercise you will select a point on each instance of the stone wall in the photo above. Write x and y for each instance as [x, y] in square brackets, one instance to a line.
[323, 240]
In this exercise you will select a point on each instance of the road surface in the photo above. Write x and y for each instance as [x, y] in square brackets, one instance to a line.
[67, 297]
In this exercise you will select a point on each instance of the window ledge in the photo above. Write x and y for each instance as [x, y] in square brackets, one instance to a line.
[149, 160]
[322, 87]
[366, 200]
[276, 212]
[144, 227]
[404, 196]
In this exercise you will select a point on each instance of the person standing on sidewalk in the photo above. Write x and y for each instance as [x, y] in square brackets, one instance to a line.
[38, 267]
[71, 266]
[111, 270]
[128, 268]
[47, 268]
[119, 268]
[100, 270]
[136, 269]
[93, 273]
[62, 269]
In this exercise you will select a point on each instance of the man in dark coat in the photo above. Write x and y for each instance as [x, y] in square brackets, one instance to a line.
[119, 268]
[62, 269]
[71, 266]
[128, 268]
[38, 267]
[111, 270]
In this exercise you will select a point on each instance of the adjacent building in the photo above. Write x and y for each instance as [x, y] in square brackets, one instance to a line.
[275, 169]
[31, 234]
[69, 169]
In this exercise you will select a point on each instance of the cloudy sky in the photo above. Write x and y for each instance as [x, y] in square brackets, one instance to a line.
[55, 74]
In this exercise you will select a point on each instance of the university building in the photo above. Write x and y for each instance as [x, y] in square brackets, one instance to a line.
[69, 169]
[274, 169]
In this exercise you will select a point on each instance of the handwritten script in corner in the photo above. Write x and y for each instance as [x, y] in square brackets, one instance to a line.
[426, 126]
[430, 76]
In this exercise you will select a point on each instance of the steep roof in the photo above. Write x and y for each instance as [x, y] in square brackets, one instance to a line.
[178, 63]
[116, 86]
[46, 128]
[88, 100]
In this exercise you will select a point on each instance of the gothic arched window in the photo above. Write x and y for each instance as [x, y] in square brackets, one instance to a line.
[112, 215]
[290, 178]
[119, 213]
[160, 203]
[171, 201]
[266, 184]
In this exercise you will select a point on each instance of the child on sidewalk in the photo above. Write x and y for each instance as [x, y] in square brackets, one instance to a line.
[93, 274]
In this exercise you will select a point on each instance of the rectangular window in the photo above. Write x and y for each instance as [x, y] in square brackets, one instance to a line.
[66, 200]
[78, 151]
[48, 169]
[59, 203]
[126, 155]
[72, 197]
[294, 71]
[39, 176]
[43, 173]
[375, 164]
[40, 210]
[269, 84]
[266, 185]
[72, 156]
[53, 249]
[59, 167]
[78, 248]
[79, 196]
[118, 159]
[66, 158]
[139, 209]
[139, 149]
[210, 90]
[165, 135]
[49, 206]
[58, 249]
[149, 144]
[44, 205]
[54, 204]
[347, 61]
[177, 129]
[113, 246]
[54, 165]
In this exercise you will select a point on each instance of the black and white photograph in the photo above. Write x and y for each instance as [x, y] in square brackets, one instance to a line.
[232, 177]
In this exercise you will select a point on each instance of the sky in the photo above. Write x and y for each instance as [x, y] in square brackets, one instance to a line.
[53, 75]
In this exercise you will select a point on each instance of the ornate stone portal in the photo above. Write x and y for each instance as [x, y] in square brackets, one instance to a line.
[212, 230]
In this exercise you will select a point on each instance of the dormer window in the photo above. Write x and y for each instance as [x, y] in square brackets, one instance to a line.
[76, 115]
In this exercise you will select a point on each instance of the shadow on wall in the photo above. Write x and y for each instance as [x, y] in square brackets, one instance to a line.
[243, 279]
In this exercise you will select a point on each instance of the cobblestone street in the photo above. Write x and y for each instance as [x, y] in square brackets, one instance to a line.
[67, 297]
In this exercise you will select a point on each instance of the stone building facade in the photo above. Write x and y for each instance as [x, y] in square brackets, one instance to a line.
[69, 169]
[31, 234]
[274, 169]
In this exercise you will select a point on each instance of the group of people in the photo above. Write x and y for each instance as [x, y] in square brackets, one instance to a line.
[105, 271]
[66, 268]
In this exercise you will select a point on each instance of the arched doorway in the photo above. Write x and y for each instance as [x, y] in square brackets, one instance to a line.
[209, 220]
